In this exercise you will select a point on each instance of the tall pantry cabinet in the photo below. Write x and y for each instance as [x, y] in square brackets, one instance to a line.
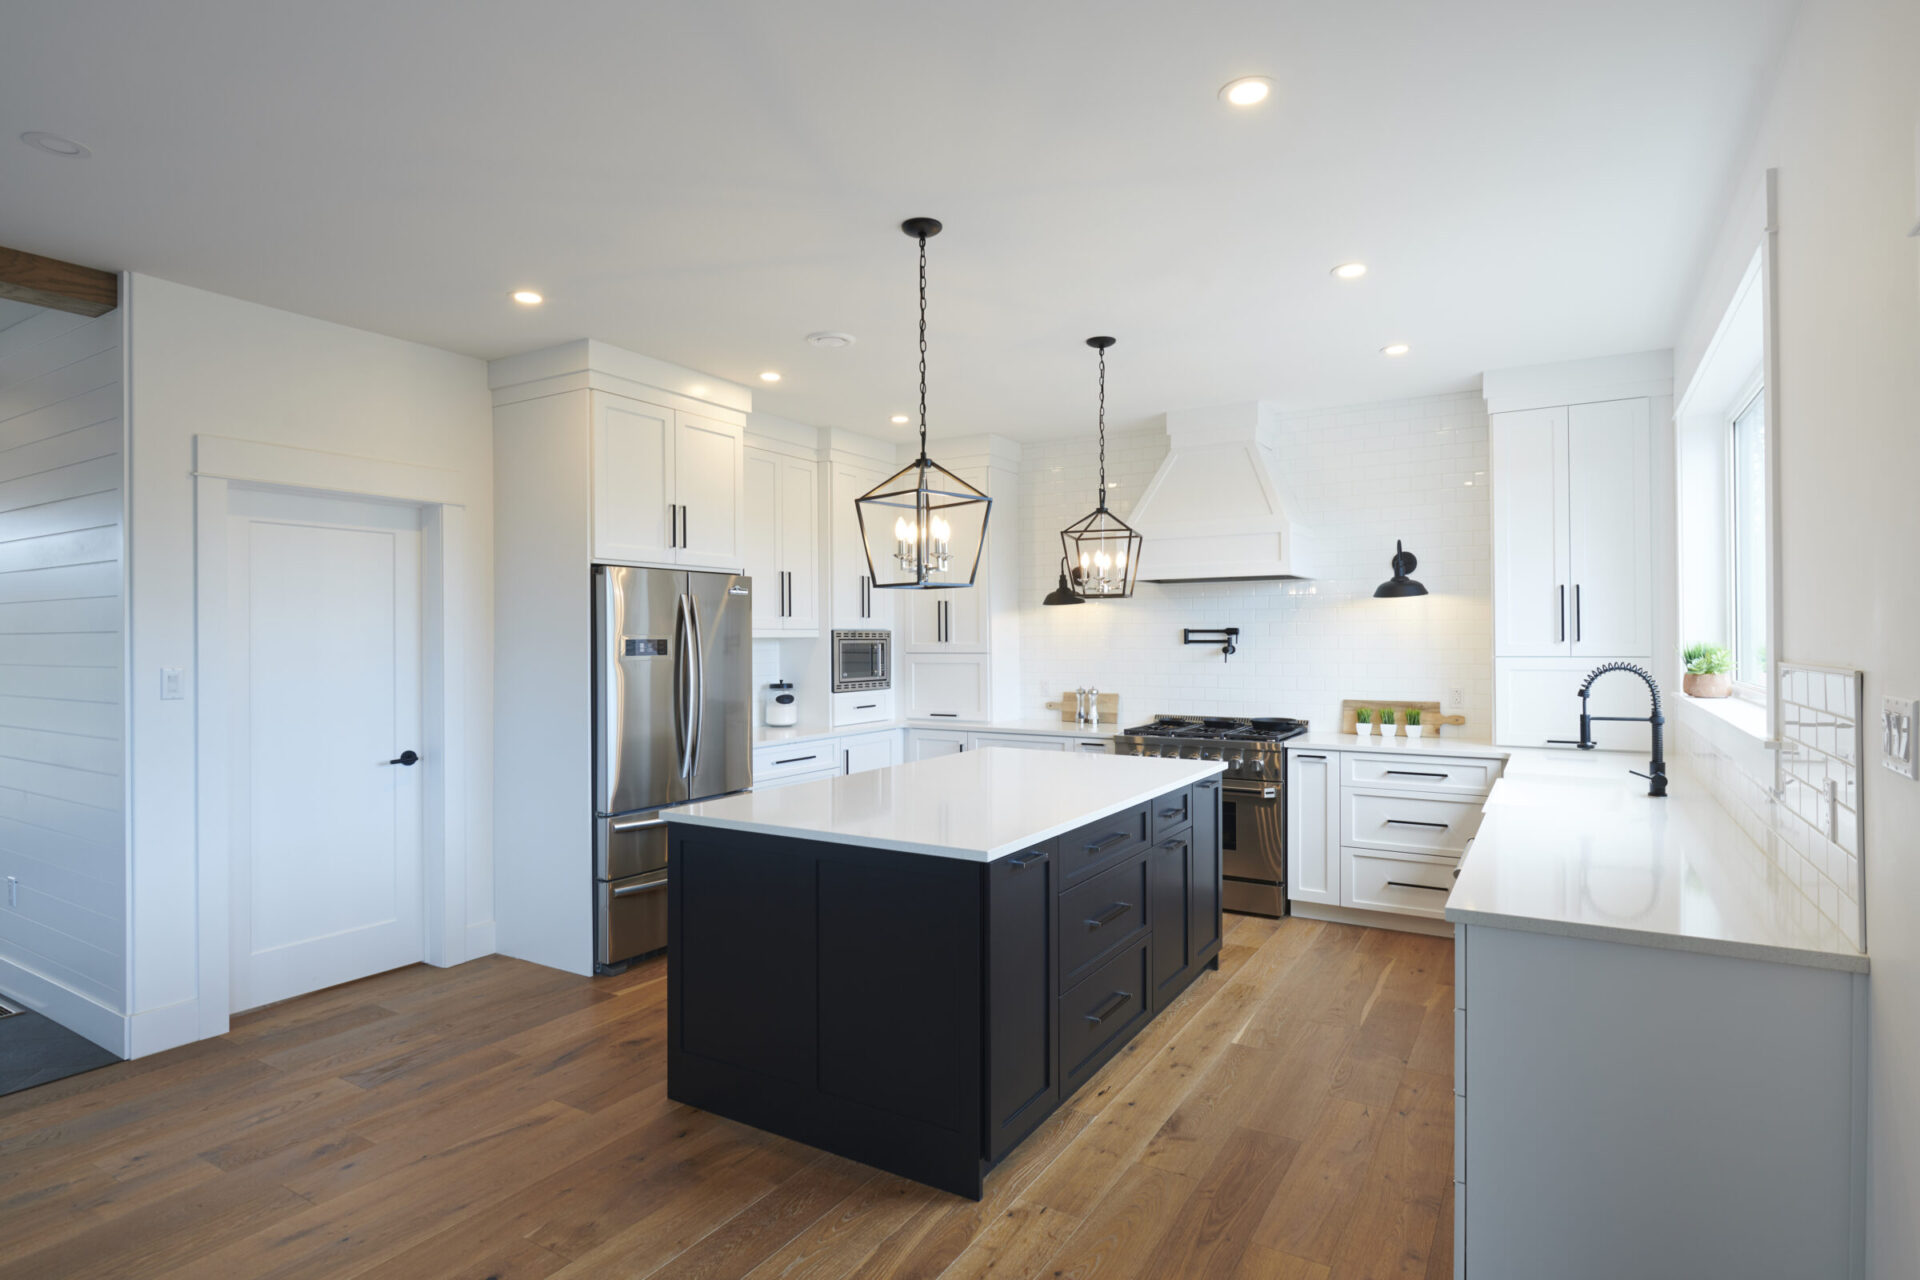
[1574, 515]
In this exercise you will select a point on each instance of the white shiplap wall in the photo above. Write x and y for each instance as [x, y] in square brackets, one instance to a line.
[1363, 476]
[62, 829]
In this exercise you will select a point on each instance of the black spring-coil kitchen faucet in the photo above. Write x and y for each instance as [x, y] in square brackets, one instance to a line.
[1656, 775]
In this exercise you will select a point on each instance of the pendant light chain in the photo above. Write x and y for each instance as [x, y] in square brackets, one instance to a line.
[923, 347]
[1103, 428]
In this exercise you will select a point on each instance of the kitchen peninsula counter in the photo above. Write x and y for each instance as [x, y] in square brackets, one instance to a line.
[914, 966]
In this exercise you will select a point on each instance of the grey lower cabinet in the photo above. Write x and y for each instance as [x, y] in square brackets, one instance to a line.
[925, 1014]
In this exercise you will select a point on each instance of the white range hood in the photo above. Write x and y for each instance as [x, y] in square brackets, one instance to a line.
[1218, 509]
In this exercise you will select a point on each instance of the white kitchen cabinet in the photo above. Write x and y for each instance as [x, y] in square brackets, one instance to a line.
[865, 751]
[925, 744]
[1094, 746]
[1572, 530]
[781, 542]
[1313, 826]
[852, 602]
[781, 760]
[1016, 741]
[1536, 701]
[666, 486]
[947, 686]
[953, 620]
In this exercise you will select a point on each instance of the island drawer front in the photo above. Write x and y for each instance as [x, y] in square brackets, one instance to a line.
[1405, 823]
[1098, 845]
[1100, 914]
[1102, 1013]
[1171, 812]
[1412, 886]
[1409, 772]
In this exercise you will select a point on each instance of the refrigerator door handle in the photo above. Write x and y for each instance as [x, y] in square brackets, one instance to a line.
[699, 665]
[613, 703]
[682, 719]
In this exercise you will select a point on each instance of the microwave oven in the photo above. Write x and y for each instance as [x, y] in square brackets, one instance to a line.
[862, 660]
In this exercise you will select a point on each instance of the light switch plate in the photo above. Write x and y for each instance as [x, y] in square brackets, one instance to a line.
[171, 685]
[1897, 747]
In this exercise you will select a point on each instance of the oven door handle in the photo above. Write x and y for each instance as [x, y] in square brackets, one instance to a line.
[1252, 793]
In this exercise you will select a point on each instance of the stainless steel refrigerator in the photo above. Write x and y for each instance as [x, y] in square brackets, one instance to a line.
[672, 723]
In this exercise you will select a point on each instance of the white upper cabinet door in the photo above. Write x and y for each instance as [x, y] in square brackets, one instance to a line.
[947, 688]
[853, 603]
[1532, 605]
[799, 541]
[1313, 827]
[1610, 475]
[633, 474]
[707, 483]
[760, 539]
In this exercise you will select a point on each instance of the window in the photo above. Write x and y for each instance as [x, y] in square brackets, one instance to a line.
[1747, 545]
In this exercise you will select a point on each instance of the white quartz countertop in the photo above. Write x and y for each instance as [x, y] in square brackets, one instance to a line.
[976, 806]
[1571, 844]
[1314, 740]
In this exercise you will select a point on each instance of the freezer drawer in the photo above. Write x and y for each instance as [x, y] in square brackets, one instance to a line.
[629, 844]
[630, 916]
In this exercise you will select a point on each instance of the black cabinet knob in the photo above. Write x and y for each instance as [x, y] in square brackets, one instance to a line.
[406, 757]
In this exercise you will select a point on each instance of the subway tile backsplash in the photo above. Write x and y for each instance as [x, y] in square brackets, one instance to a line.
[1362, 476]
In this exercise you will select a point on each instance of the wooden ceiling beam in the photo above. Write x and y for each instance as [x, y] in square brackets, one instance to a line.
[61, 286]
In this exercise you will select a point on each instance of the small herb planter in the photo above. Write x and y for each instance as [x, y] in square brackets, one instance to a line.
[1707, 684]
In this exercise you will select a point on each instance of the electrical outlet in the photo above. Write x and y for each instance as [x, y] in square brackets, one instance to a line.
[171, 684]
[1456, 699]
[1897, 747]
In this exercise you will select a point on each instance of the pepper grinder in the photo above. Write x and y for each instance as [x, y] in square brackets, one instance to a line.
[1079, 706]
[1093, 708]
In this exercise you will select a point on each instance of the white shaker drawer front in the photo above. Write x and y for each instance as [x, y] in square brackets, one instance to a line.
[775, 762]
[1410, 886]
[1388, 821]
[1418, 773]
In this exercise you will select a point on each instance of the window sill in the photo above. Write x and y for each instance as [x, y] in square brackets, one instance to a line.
[1749, 718]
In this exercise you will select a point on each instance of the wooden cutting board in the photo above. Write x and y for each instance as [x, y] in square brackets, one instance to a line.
[1109, 707]
[1430, 715]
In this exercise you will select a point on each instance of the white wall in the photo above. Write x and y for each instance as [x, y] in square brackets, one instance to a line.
[62, 695]
[1842, 125]
[1363, 476]
[205, 364]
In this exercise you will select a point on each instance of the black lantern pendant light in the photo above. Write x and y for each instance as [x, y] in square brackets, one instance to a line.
[1400, 584]
[1102, 550]
[923, 527]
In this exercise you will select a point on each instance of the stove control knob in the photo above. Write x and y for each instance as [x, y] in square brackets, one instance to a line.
[1257, 765]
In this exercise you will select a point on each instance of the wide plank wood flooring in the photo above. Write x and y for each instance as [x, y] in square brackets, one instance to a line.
[1289, 1118]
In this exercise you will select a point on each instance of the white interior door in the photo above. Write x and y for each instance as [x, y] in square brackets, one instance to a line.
[324, 635]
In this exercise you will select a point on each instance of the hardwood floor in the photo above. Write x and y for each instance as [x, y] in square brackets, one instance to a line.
[1289, 1118]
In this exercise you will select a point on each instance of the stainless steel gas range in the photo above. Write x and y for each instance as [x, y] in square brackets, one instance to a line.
[1253, 824]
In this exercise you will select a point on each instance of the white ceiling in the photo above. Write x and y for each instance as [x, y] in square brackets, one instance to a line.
[709, 182]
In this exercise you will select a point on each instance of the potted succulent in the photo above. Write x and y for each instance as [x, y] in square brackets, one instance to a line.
[1412, 721]
[1386, 722]
[1363, 720]
[1709, 671]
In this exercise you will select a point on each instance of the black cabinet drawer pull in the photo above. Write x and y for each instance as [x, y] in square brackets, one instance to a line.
[1028, 858]
[795, 759]
[1101, 846]
[1173, 813]
[866, 706]
[1171, 844]
[945, 715]
[1113, 912]
[1402, 884]
[1108, 1009]
[1409, 822]
[1410, 773]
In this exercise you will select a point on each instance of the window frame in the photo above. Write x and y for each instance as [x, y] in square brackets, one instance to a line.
[1754, 391]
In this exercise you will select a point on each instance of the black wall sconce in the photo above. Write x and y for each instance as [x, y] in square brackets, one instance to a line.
[1400, 584]
[1226, 637]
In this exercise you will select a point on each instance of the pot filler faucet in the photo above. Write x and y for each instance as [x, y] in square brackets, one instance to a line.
[1656, 774]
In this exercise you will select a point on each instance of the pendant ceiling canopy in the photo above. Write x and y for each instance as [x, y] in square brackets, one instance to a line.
[923, 527]
[1102, 550]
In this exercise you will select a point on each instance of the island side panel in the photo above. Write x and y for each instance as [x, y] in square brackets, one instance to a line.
[1023, 1055]
[832, 995]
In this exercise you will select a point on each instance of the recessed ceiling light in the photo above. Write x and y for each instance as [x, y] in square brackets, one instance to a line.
[1247, 91]
[527, 298]
[1350, 270]
[831, 339]
[769, 375]
[1396, 349]
[55, 145]
[899, 419]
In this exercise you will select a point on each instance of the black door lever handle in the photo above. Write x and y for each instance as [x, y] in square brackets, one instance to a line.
[406, 757]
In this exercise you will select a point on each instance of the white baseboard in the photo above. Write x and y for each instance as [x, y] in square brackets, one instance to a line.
[1373, 919]
[80, 1014]
[480, 940]
[168, 1027]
